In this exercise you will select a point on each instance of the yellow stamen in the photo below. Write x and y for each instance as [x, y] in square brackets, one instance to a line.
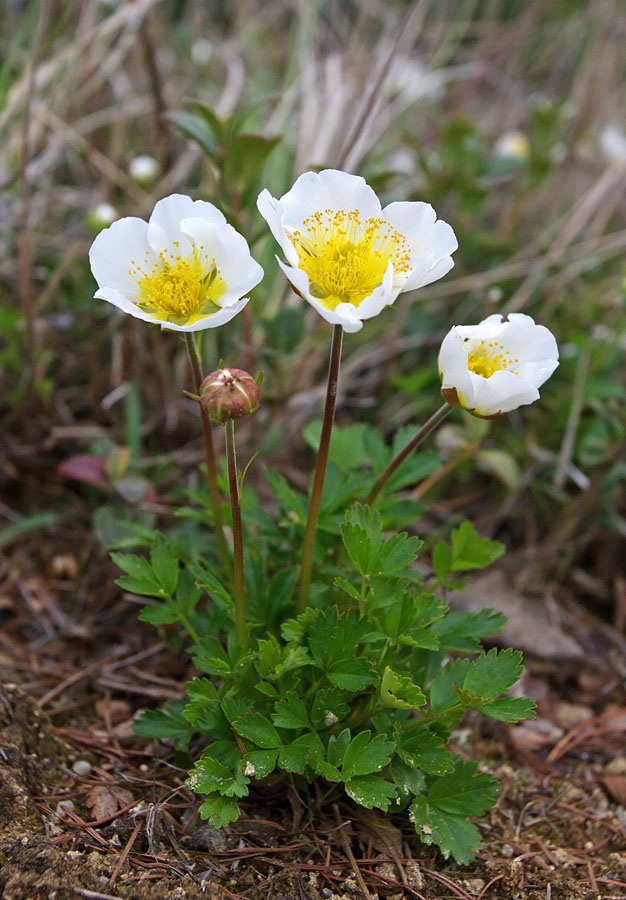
[346, 258]
[489, 357]
[178, 289]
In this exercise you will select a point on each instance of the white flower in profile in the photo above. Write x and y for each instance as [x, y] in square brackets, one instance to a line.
[497, 365]
[185, 268]
[348, 257]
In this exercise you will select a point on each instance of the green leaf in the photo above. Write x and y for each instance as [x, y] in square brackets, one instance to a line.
[164, 565]
[470, 551]
[290, 500]
[371, 791]
[337, 747]
[304, 751]
[209, 776]
[359, 546]
[409, 779]
[245, 156]
[365, 754]
[492, 673]
[188, 592]
[442, 560]
[269, 655]
[344, 585]
[138, 566]
[291, 712]
[399, 691]
[258, 729]
[347, 448]
[395, 554]
[463, 792]
[508, 709]
[259, 763]
[352, 674]
[326, 770]
[422, 749]
[443, 693]
[142, 586]
[219, 811]
[196, 128]
[329, 706]
[158, 615]
[454, 835]
[462, 631]
[168, 722]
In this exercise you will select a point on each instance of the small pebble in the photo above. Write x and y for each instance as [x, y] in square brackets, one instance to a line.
[81, 767]
[64, 806]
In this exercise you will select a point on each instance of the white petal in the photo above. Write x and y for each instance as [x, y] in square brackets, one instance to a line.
[329, 189]
[218, 318]
[114, 249]
[452, 363]
[272, 211]
[169, 213]
[111, 295]
[164, 227]
[501, 393]
[432, 242]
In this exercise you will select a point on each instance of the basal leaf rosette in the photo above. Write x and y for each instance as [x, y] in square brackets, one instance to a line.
[186, 268]
[348, 257]
[496, 366]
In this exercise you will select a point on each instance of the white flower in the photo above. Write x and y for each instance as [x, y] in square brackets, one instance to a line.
[186, 268]
[497, 365]
[348, 257]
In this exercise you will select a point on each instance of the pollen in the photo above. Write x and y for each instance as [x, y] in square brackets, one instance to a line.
[176, 288]
[346, 258]
[488, 357]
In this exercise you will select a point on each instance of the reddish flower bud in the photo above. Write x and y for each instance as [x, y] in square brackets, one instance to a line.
[229, 394]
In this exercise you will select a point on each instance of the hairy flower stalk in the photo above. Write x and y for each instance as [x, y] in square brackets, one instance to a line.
[209, 452]
[226, 395]
[235, 506]
[320, 470]
[408, 448]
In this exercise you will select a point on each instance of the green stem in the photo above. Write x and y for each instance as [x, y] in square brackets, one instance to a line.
[184, 621]
[209, 450]
[415, 441]
[320, 470]
[233, 486]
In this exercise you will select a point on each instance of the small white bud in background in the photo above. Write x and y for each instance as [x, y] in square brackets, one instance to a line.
[330, 718]
[612, 142]
[512, 145]
[201, 51]
[144, 169]
[100, 216]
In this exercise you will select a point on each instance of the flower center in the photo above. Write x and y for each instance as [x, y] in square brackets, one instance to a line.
[345, 258]
[488, 357]
[178, 289]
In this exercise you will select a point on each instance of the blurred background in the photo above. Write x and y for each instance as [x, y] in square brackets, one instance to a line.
[509, 117]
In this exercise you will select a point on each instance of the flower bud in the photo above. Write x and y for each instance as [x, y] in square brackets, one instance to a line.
[100, 216]
[144, 170]
[229, 394]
